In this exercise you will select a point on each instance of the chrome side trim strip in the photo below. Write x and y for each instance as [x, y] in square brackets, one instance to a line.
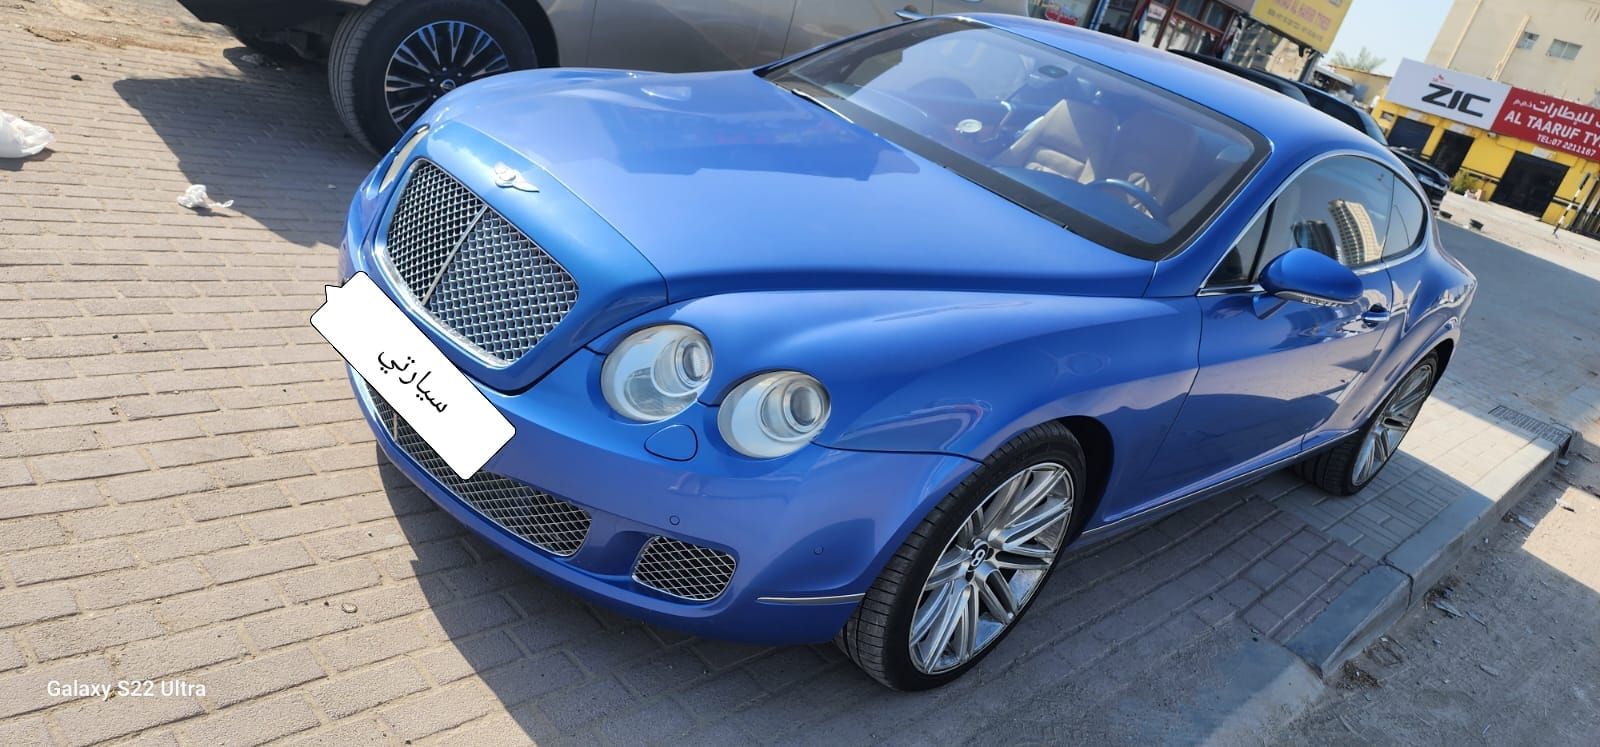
[1222, 487]
[836, 599]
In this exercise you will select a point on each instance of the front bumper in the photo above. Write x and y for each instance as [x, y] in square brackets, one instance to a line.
[813, 529]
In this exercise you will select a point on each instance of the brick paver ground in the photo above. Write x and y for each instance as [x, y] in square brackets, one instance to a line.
[187, 490]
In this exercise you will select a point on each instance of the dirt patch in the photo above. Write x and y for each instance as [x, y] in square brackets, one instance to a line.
[161, 25]
[1355, 678]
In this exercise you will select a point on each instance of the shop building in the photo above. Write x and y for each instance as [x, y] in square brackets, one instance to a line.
[1548, 46]
[1521, 148]
[1280, 36]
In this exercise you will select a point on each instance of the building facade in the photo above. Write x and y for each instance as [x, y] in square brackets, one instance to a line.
[1548, 46]
[1508, 104]
[1515, 146]
[1280, 36]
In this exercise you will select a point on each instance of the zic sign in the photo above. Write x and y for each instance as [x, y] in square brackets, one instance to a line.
[1447, 93]
[1550, 122]
[1449, 98]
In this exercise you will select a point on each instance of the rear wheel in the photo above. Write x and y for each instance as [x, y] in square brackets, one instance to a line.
[1347, 468]
[393, 58]
[974, 565]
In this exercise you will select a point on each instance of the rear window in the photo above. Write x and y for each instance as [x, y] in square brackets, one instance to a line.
[1122, 162]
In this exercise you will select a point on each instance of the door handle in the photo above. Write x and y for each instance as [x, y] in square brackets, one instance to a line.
[1375, 316]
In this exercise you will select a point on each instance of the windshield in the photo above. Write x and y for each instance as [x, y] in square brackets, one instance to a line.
[1126, 164]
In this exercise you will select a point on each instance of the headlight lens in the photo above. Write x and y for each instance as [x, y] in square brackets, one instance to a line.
[657, 372]
[400, 156]
[774, 414]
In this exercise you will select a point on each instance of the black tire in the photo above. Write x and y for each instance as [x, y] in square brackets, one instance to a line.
[877, 635]
[1333, 469]
[358, 59]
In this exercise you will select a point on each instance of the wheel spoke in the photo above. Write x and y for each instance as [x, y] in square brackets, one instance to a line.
[968, 643]
[997, 508]
[1036, 493]
[399, 112]
[1025, 558]
[396, 84]
[997, 598]
[966, 533]
[1412, 401]
[949, 621]
[948, 568]
[1035, 524]
[1363, 467]
[934, 608]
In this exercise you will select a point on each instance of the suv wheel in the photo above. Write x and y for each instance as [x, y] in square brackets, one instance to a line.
[392, 59]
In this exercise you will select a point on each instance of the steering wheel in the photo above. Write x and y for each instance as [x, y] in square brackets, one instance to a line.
[1137, 194]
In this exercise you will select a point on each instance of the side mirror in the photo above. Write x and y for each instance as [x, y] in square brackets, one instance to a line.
[1311, 277]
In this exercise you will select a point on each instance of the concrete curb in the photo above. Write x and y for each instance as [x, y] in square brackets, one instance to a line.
[1376, 600]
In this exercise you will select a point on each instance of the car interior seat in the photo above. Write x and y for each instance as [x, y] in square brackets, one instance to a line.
[1064, 141]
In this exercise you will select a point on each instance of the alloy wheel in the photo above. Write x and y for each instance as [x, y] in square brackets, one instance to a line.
[991, 568]
[1394, 421]
[435, 60]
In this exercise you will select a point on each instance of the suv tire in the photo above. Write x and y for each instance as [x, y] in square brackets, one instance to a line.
[380, 35]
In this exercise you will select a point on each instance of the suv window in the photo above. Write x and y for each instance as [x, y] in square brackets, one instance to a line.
[1341, 207]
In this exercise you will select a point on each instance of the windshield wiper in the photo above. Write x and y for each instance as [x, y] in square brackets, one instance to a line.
[815, 99]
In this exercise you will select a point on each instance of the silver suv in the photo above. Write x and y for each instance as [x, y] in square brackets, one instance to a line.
[389, 59]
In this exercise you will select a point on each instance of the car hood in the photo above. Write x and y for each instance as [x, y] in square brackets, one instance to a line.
[727, 183]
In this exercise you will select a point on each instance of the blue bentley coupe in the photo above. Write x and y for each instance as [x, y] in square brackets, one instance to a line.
[855, 345]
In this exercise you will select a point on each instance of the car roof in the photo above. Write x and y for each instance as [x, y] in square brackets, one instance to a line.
[1295, 130]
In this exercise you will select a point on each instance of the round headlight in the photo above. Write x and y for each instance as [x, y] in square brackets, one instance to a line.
[657, 372]
[773, 414]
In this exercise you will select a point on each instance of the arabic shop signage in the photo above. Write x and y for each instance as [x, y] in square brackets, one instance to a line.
[1497, 107]
[1312, 22]
[1551, 122]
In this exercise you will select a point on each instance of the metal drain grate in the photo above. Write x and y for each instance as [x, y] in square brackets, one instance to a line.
[1539, 427]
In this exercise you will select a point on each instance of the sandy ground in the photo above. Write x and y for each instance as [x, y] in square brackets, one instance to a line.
[153, 24]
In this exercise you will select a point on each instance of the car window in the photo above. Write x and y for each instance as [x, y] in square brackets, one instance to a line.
[1122, 162]
[1341, 207]
[1407, 223]
[1235, 268]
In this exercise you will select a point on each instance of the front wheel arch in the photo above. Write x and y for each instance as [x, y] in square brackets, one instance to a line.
[1098, 455]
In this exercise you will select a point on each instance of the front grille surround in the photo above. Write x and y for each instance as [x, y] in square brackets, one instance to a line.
[549, 523]
[683, 570]
[478, 277]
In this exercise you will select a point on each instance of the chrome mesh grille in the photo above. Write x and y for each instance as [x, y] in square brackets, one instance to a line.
[534, 515]
[683, 570]
[475, 273]
[502, 291]
[434, 211]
